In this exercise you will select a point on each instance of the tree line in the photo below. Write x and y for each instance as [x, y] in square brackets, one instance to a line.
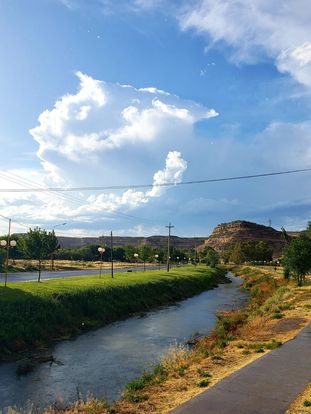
[38, 244]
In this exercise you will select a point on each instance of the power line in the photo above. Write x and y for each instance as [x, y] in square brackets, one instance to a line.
[167, 184]
[78, 201]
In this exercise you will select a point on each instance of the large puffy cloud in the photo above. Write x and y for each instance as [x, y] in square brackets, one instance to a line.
[103, 135]
[98, 124]
[258, 28]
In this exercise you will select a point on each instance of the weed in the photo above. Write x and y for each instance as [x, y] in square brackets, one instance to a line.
[203, 383]
[203, 373]
[135, 397]
[140, 383]
[277, 316]
[216, 356]
[307, 403]
[274, 344]
[181, 370]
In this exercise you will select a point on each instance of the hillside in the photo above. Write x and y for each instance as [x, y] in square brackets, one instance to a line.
[120, 241]
[226, 234]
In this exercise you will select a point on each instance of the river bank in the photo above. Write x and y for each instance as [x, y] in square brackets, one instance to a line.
[277, 310]
[33, 314]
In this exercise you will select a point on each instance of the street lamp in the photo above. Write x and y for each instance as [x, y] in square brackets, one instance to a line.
[136, 258]
[156, 259]
[7, 244]
[101, 251]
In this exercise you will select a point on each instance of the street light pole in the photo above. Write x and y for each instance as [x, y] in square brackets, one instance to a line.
[111, 253]
[136, 258]
[101, 250]
[156, 259]
[7, 254]
[7, 243]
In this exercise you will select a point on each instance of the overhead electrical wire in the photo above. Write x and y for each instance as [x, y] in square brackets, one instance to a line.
[167, 184]
[78, 201]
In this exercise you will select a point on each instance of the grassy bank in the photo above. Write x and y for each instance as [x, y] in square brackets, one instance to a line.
[277, 310]
[32, 313]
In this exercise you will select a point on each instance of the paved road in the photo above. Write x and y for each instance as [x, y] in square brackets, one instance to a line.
[29, 276]
[266, 386]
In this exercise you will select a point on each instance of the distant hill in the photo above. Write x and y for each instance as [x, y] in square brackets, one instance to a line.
[226, 234]
[223, 236]
[119, 241]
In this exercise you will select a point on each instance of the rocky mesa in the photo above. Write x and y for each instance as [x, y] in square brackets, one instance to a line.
[226, 234]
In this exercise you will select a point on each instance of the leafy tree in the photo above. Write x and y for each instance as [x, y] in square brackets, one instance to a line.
[209, 255]
[250, 250]
[146, 254]
[35, 245]
[129, 251]
[52, 245]
[286, 238]
[297, 257]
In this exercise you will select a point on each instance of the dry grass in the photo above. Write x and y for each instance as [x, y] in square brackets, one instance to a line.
[70, 264]
[302, 405]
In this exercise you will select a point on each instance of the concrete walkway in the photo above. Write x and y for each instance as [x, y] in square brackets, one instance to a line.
[266, 386]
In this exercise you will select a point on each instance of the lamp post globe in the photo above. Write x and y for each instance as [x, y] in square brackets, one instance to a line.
[156, 256]
[136, 258]
[7, 244]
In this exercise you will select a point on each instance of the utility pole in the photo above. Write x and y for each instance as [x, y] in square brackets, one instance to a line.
[111, 253]
[7, 254]
[270, 222]
[169, 227]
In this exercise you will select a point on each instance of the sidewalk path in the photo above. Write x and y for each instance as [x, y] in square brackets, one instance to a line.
[266, 386]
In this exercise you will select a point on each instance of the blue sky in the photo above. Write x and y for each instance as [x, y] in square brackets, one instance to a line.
[106, 93]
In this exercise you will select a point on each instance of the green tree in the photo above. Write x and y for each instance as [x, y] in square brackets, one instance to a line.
[35, 245]
[146, 253]
[250, 250]
[129, 251]
[52, 245]
[297, 257]
[286, 238]
[209, 255]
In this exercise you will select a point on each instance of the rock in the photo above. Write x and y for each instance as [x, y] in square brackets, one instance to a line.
[226, 234]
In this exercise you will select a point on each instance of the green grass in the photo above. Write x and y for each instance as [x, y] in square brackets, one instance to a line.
[33, 312]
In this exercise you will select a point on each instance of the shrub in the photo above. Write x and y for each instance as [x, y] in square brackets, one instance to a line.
[203, 383]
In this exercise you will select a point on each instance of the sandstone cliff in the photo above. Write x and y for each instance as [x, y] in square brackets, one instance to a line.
[226, 234]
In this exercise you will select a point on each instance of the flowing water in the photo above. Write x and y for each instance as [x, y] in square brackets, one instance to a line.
[101, 362]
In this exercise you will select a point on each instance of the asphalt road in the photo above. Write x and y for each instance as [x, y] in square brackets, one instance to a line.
[60, 274]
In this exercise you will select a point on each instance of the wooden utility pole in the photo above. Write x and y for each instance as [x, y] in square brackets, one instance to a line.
[169, 227]
[111, 253]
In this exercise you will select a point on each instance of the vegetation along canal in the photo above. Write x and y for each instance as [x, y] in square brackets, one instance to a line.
[101, 362]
